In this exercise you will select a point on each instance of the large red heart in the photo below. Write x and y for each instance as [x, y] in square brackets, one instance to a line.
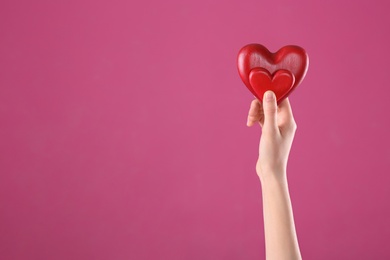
[289, 58]
[280, 82]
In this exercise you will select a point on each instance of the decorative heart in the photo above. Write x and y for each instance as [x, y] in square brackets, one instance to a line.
[280, 82]
[289, 58]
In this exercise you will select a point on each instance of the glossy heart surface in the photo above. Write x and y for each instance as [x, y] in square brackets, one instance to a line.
[289, 59]
[280, 82]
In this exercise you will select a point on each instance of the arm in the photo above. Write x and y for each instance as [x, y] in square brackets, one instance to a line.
[278, 129]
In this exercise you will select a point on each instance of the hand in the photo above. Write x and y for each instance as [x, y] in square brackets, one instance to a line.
[278, 130]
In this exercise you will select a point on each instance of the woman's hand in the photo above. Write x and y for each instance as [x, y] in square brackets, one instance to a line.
[278, 129]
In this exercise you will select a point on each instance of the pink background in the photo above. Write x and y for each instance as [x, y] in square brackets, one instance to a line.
[123, 129]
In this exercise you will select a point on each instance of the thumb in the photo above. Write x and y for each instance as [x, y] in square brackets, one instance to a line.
[270, 109]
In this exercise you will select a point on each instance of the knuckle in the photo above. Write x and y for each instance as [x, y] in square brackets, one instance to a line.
[294, 126]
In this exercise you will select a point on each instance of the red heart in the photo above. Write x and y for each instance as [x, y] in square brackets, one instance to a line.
[291, 58]
[280, 82]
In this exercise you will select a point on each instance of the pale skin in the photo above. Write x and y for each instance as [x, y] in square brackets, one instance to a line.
[278, 130]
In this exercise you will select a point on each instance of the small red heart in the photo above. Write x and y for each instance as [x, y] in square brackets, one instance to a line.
[289, 58]
[281, 82]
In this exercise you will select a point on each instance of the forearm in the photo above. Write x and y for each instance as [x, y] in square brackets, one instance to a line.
[280, 235]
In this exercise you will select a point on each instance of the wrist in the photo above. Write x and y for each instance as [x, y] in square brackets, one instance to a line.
[272, 176]
[276, 171]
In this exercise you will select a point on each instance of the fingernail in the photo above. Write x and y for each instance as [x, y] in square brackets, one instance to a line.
[269, 96]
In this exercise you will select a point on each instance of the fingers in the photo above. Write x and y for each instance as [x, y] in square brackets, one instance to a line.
[255, 113]
[270, 108]
[272, 118]
[285, 108]
[286, 117]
